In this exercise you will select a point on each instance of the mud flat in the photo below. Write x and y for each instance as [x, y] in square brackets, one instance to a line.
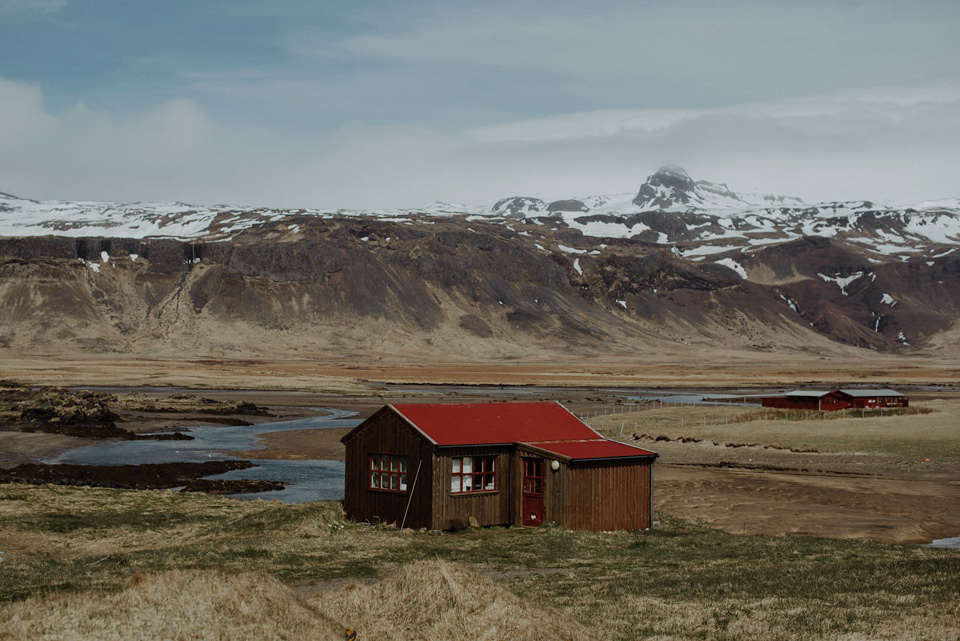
[893, 478]
[848, 479]
[147, 476]
[297, 445]
[37, 424]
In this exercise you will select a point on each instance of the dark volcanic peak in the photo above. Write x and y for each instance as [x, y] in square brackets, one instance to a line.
[673, 177]
[567, 205]
[673, 188]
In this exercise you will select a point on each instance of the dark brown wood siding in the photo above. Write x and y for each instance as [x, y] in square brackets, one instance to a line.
[608, 495]
[386, 433]
[489, 508]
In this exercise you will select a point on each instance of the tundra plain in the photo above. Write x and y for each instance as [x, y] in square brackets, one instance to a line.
[768, 526]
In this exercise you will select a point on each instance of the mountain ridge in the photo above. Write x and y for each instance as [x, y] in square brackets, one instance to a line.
[516, 281]
[669, 208]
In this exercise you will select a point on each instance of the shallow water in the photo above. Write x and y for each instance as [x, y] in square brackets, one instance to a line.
[953, 543]
[311, 480]
[701, 399]
[749, 398]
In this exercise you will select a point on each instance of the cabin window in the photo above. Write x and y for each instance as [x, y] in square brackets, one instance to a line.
[388, 472]
[473, 474]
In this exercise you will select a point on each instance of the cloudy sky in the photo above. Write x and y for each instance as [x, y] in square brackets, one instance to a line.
[376, 103]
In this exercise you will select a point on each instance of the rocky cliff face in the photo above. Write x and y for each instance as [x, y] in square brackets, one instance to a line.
[682, 262]
[453, 287]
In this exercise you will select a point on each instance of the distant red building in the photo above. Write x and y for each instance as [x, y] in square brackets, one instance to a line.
[817, 400]
[838, 399]
[874, 398]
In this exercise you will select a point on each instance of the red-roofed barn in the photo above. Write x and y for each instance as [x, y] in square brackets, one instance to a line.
[837, 399]
[437, 465]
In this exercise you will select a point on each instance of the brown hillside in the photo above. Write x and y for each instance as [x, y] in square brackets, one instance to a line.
[440, 288]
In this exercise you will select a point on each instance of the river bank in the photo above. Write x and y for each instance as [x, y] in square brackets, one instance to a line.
[188, 477]
[872, 486]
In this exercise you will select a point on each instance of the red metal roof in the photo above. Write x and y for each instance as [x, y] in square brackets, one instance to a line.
[592, 449]
[547, 426]
[494, 423]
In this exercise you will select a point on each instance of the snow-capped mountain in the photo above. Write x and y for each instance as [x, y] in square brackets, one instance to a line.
[698, 217]
[702, 218]
[679, 260]
[672, 189]
[23, 217]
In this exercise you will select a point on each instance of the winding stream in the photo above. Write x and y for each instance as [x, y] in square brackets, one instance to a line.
[310, 480]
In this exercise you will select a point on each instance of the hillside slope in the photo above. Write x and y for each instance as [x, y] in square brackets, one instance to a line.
[681, 263]
[453, 287]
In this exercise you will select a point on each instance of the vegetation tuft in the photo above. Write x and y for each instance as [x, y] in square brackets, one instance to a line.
[680, 580]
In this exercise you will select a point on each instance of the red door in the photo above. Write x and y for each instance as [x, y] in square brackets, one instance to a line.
[532, 491]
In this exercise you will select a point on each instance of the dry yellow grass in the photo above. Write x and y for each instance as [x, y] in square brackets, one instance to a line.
[72, 558]
[173, 606]
[346, 373]
[932, 435]
[421, 600]
[133, 520]
[439, 600]
[774, 618]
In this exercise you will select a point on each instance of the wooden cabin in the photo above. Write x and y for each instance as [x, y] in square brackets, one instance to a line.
[837, 399]
[442, 466]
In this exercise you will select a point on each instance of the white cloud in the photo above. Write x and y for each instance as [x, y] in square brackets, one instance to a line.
[894, 144]
[696, 53]
[23, 113]
[87, 153]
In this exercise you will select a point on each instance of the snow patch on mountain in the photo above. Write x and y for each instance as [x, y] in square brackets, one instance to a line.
[519, 207]
[707, 250]
[841, 281]
[734, 265]
[601, 229]
[790, 303]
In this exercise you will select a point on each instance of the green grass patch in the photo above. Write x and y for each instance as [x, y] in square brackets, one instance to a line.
[680, 579]
[103, 520]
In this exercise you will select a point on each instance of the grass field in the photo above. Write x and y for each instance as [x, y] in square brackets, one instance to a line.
[934, 431]
[680, 580]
